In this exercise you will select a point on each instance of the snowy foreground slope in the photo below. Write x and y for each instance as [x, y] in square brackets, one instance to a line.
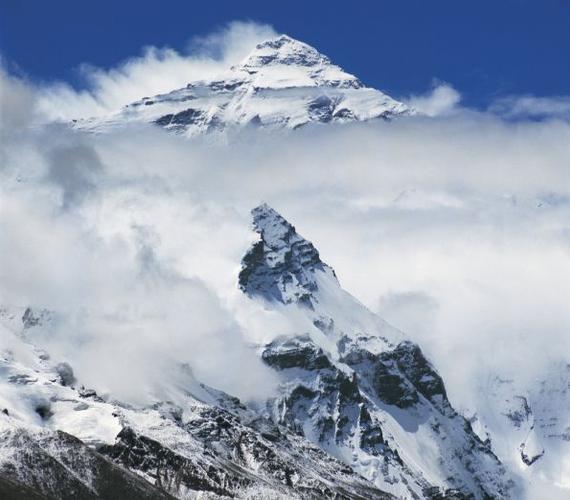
[282, 83]
[528, 424]
[61, 440]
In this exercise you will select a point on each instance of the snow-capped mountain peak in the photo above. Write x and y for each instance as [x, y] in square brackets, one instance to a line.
[353, 384]
[272, 226]
[283, 50]
[282, 265]
[282, 83]
[284, 61]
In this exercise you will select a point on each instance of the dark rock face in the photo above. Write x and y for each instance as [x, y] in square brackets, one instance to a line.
[225, 86]
[170, 470]
[234, 457]
[59, 466]
[399, 376]
[34, 317]
[65, 373]
[371, 437]
[344, 114]
[321, 109]
[520, 414]
[529, 459]
[181, 119]
[299, 352]
[435, 493]
[392, 387]
[281, 265]
[413, 364]
[29, 318]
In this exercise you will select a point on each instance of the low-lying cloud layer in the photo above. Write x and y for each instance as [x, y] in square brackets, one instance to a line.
[454, 226]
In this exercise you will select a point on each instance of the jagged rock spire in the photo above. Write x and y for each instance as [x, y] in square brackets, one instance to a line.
[282, 265]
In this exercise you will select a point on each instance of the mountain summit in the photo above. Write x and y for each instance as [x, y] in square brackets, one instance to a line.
[278, 54]
[282, 83]
[282, 264]
[284, 50]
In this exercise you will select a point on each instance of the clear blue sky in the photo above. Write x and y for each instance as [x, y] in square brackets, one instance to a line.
[485, 48]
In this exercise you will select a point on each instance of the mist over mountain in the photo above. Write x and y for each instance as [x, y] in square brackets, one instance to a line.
[269, 280]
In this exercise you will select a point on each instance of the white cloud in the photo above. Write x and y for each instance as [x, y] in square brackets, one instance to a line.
[17, 103]
[232, 42]
[532, 107]
[156, 71]
[442, 100]
[413, 311]
[468, 210]
[126, 321]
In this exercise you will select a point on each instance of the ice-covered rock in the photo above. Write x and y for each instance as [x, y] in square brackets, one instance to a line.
[282, 83]
[282, 264]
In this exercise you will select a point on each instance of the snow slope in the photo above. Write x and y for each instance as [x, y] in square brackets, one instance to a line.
[282, 83]
[62, 440]
[527, 424]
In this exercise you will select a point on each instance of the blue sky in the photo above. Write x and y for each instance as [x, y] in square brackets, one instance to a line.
[486, 49]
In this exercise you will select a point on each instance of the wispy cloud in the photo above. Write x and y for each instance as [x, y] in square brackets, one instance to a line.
[529, 106]
[443, 99]
[156, 71]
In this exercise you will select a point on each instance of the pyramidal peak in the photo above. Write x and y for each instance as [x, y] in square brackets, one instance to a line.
[284, 50]
[286, 62]
[274, 229]
[281, 265]
[282, 84]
